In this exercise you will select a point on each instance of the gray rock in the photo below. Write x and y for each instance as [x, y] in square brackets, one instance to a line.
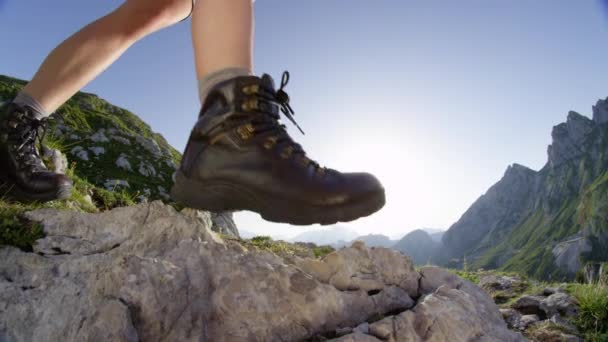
[527, 320]
[123, 162]
[99, 136]
[144, 272]
[529, 305]
[59, 162]
[551, 290]
[512, 317]
[146, 169]
[97, 150]
[112, 184]
[559, 303]
[224, 223]
[80, 152]
[564, 324]
[497, 282]
[600, 111]
[150, 145]
[120, 139]
[74, 136]
[566, 252]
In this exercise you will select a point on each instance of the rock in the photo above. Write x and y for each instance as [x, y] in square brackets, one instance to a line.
[529, 305]
[123, 163]
[74, 136]
[362, 328]
[359, 268]
[112, 184]
[551, 290]
[600, 111]
[59, 162]
[512, 317]
[224, 223]
[146, 169]
[433, 277]
[565, 325]
[99, 136]
[97, 150]
[566, 252]
[120, 139]
[568, 137]
[493, 282]
[145, 272]
[559, 303]
[150, 145]
[527, 320]
[80, 152]
[547, 331]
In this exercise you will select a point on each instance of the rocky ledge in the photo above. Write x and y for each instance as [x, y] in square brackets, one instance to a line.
[150, 273]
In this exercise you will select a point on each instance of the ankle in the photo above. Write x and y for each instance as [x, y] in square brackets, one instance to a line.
[208, 81]
[23, 99]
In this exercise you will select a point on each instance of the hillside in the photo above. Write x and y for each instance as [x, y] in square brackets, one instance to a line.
[545, 223]
[109, 146]
[113, 157]
[419, 245]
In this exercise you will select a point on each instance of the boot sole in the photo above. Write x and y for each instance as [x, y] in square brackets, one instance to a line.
[12, 190]
[220, 196]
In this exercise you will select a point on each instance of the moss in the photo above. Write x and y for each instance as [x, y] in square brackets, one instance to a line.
[16, 231]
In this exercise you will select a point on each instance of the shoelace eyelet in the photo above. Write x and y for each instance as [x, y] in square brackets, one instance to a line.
[246, 131]
[250, 105]
[251, 89]
[270, 142]
[287, 152]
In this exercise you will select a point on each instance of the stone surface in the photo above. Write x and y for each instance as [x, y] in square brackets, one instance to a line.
[529, 305]
[123, 162]
[559, 303]
[149, 273]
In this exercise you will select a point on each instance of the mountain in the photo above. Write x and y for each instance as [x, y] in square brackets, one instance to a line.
[376, 240]
[437, 236]
[545, 223]
[327, 236]
[419, 245]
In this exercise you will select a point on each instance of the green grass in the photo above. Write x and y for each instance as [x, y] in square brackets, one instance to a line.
[592, 319]
[283, 248]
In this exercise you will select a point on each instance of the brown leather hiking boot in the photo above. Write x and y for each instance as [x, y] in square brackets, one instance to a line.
[240, 157]
[22, 171]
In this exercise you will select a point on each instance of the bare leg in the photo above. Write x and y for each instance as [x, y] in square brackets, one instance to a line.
[222, 35]
[82, 57]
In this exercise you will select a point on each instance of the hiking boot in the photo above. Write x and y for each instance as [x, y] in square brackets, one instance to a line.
[21, 169]
[240, 157]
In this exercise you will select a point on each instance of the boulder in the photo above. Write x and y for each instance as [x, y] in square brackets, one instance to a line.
[529, 305]
[559, 303]
[149, 273]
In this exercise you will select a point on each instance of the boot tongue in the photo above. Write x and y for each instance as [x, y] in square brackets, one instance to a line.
[267, 81]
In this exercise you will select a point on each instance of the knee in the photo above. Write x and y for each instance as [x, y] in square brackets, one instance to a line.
[146, 16]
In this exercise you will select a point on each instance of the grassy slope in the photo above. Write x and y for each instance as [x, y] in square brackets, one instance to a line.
[84, 114]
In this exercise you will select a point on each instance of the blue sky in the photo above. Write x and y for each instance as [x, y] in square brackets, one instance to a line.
[437, 98]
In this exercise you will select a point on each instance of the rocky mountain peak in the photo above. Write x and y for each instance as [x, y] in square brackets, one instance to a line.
[568, 138]
[600, 111]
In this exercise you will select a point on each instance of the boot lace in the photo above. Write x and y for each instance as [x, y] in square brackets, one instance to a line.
[268, 129]
[26, 136]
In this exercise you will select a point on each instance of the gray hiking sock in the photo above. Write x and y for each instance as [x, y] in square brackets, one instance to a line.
[206, 83]
[23, 99]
